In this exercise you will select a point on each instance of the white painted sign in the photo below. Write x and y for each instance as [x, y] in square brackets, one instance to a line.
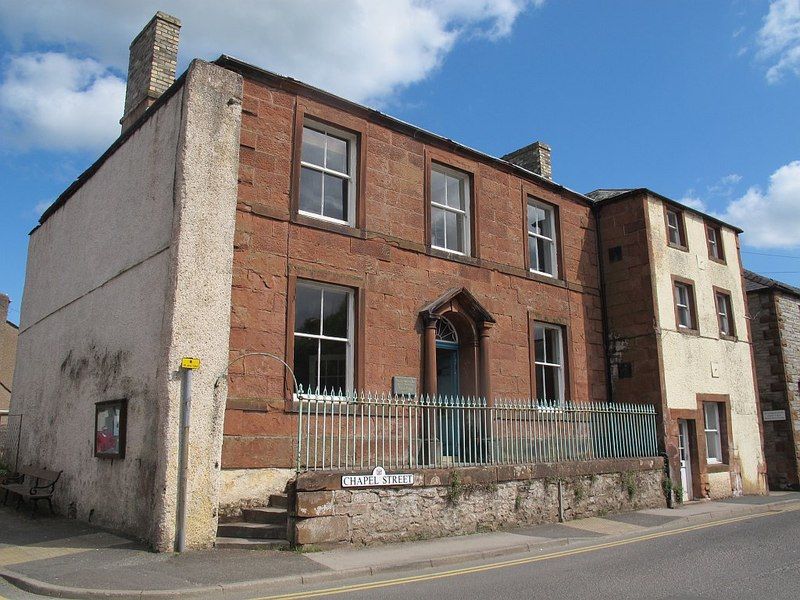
[378, 478]
[774, 415]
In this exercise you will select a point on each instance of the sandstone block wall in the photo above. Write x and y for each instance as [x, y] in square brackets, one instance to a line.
[461, 501]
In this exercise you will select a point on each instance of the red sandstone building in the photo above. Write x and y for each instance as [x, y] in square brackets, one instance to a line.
[297, 242]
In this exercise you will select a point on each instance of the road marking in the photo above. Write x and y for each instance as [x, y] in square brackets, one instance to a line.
[359, 587]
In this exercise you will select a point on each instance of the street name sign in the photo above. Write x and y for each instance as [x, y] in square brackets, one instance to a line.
[379, 478]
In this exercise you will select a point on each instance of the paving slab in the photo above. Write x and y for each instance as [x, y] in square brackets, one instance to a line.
[642, 519]
[605, 526]
[555, 531]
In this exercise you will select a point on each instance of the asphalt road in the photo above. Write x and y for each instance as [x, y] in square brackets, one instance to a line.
[753, 558]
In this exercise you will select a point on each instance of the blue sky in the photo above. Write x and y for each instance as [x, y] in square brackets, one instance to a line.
[696, 100]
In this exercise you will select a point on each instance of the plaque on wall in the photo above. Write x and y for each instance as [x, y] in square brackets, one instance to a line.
[404, 386]
[774, 415]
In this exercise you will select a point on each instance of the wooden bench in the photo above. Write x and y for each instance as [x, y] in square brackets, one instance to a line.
[34, 484]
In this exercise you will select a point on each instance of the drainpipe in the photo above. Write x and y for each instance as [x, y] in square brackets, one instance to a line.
[183, 454]
[595, 208]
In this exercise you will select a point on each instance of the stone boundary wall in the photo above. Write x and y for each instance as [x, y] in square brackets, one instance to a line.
[447, 502]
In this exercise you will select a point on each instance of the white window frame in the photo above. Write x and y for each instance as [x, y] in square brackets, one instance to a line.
[679, 285]
[560, 366]
[724, 311]
[351, 178]
[464, 178]
[715, 432]
[676, 228]
[551, 213]
[321, 337]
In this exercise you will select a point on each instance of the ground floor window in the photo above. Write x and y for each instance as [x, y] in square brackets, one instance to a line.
[549, 362]
[713, 432]
[323, 338]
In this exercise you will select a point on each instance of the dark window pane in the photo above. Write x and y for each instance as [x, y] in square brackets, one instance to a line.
[552, 349]
[305, 362]
[538, 341]
[313, 147]
[453, 235]
[307, 306]
[335, 198]
[545, 257]
[437, 227]
[455, 192]
[333, 366]
[311, 191]
[540, 391]
[334, 321]
[546, 224]
[337, 154]
[438, 187]
[533, 252]
[551, 383]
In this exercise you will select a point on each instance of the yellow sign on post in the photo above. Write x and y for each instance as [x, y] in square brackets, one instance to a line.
[190, 363]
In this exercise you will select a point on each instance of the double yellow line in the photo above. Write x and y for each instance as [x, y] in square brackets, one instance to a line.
[523, 561]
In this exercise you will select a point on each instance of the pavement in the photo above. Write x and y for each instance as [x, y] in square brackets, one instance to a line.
[54, 556]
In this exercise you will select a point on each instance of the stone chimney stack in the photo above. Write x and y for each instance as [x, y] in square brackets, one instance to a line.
[151, 69]
[535, 157]
[4, 302]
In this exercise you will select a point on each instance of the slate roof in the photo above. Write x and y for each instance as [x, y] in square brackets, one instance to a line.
[753, 282]
[601, 194]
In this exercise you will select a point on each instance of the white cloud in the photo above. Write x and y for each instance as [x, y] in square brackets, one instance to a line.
[693, 202]
[779, 39]
[41, 207]
[771, 218]
[51, 100]
[365, 50]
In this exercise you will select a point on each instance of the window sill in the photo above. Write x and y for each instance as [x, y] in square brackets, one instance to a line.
[728, 338]
[544, 278]
[334, 226]
[455, 256]
[687, 331]
[717, 467]
[719, 261]
[678, 247]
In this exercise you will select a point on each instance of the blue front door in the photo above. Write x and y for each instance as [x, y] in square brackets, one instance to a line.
[447, 390]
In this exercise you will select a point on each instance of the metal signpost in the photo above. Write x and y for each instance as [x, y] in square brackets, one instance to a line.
[188, 366]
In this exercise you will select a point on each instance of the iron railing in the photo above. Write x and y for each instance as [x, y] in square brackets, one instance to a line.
[360, 431]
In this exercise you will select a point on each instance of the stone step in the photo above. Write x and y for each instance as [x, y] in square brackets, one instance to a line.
[279, 501]
[269, 515]
[250, 544]
[259, 531]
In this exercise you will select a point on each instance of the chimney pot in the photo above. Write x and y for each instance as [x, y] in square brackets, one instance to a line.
[151, 67]
[535, 158]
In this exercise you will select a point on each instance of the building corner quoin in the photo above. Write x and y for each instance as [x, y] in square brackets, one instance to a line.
[198, 319]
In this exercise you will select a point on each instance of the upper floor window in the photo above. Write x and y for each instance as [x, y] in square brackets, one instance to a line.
[676, 232]
[724, 314]
[542, 239]
[450, 210]
[327, 174]
[684, 305]
[549, 362]
[323, 337]
[713, 432]
[714, 240]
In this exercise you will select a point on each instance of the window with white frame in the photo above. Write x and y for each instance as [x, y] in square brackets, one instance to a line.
[684, 305]
[724, 314]
[712, 430]
[549, 362]
[450, 210]
[323, 338]
[714, 238]
[542, 239]
[327, 174]
[675, 228]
